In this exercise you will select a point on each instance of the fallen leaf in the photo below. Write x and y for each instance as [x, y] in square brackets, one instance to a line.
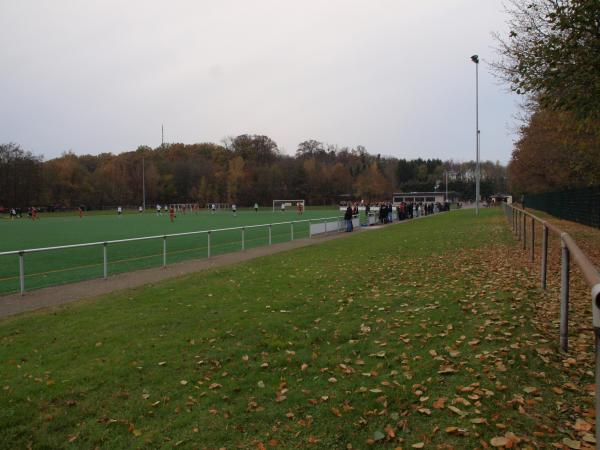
[499, 441]
[571, 443]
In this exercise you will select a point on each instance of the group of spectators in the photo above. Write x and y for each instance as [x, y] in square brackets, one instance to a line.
[404, 211]
[413, 210]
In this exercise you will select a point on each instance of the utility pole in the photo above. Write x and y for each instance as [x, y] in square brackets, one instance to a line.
[162, 136]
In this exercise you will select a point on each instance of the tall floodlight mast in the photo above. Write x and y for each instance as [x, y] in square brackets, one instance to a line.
[475, 59]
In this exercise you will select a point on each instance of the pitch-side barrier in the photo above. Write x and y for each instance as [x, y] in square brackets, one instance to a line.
[316, 226]
[518, 219]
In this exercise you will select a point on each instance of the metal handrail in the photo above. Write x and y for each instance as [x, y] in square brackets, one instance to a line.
[158, 236]
[569, 250]
[105, 244]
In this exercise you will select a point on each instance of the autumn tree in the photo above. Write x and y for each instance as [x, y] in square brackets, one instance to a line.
[552, 54]
[554, 152]
[20, 176]
[235, 176]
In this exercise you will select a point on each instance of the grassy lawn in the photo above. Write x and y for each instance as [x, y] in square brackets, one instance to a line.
[418, 335]
[63, 266]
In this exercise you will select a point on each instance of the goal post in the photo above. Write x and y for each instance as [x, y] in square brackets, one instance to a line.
[183, 206]
[289, 204]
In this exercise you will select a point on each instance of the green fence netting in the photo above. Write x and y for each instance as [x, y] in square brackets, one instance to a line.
[578, 205]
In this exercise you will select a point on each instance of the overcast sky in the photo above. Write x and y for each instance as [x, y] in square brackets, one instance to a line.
[392, 75]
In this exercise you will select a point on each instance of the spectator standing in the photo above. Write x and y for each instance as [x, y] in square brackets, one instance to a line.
[348, 219]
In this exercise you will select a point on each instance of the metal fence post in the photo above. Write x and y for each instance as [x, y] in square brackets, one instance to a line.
[243, 239]
[325, 223]
[532, 239]
[208, 244]
[105, 259]
[292, 231]
[512, 216]
[597, 379]
[22, 273]
[310, 229]
[544, 254]
[270, 233]
[564, 297]
[164, 251]
[524, 231]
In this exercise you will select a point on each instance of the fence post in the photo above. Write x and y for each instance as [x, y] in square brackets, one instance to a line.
[325, 223]
[564, 297]
[597, 379]
[525, 231]
[105, 260]
[544, 254]
[208, 244]
[243, 239]
[518, 219]
[292, 231]
[270, 233]
[532, 239]
[22, 273]
[310, 229]
[512, 216]
[164, 251]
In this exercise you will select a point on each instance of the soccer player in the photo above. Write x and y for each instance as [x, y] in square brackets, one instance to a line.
[158, 210]
[213, 208]
[119, 211]
[283, 207]
[80, 209]
[234, 210]
[299, 208]
[13, 214]
[256, 207]
[140, 209]
[171, 213]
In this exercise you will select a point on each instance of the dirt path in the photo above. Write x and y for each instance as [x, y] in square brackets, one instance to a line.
[66, 293]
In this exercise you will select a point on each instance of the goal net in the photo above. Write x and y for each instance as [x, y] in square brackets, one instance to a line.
[184, 206]
[288, 204]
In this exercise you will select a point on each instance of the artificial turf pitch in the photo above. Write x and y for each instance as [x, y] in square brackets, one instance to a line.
[77, 264]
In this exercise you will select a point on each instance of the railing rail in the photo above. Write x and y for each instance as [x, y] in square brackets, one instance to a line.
[517, 217]
[105, 244]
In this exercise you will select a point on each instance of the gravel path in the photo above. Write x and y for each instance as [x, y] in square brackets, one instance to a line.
[66, 293]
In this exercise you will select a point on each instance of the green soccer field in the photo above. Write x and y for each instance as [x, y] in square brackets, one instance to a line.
[68, 265]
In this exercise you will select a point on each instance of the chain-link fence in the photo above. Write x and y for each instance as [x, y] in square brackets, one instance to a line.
[579, 205]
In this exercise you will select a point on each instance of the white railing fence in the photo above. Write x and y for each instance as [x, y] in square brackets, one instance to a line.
[315, 227]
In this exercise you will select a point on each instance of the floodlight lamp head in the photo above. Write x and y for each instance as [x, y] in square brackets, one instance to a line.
[475, 59]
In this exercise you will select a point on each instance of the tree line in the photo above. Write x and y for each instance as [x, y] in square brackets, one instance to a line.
[242, 170]
[551, 56]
